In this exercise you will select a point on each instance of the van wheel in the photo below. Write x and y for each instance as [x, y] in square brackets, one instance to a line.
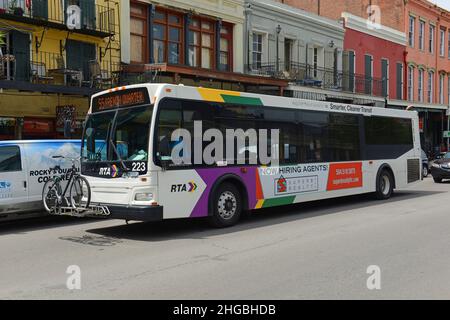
[227, 206]
[385, 185]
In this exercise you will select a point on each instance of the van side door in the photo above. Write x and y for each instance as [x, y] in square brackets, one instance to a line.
[13, 179]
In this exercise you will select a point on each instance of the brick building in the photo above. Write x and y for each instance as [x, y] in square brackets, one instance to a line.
[428, 68]
[409, 49]
[374, 44]
[392, 11]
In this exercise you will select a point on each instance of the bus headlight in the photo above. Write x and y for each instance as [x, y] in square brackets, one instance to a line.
[145, 196]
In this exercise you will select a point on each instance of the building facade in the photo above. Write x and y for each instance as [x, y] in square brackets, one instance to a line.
[374, 46]
[376, 53]
[195, 42]
[284, 42]
[380, 35]
[390, 13]
[428, 69]
[48, 69]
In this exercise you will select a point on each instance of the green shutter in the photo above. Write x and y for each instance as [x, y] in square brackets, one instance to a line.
[21, 51]
[368, 74]
[40, 9]
[351, 68]
[399, 80]
[78, 56]
[384, 76]
[87, 14]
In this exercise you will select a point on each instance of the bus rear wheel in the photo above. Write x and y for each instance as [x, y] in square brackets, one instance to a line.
[227, 206]
[385, 185]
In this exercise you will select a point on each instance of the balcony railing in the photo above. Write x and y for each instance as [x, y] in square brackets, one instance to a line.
[52, 69]
[94, 17]
[324, 78]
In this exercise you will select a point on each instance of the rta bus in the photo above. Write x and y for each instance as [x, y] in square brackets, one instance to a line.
[323, 150]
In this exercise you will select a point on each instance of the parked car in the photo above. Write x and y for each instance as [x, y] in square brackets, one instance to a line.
[425, 164]
[440, 169]
[24, 168]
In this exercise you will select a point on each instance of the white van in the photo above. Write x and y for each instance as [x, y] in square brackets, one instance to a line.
[24, 168]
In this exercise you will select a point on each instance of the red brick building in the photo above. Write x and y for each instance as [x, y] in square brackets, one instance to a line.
[428, 68]
[392, 11]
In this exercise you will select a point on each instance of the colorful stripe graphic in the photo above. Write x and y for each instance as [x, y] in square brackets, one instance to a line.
[215, 95]
[273, 202]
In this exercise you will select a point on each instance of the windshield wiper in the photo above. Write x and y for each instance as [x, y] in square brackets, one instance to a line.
[118, 156]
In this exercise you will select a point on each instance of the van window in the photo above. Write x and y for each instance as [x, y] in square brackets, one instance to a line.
[10, 159]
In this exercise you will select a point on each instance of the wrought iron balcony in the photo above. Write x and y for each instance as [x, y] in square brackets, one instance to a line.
[96, 20]
[314, 76]
[48, 71]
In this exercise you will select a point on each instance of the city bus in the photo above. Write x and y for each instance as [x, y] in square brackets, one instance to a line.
[322, 150]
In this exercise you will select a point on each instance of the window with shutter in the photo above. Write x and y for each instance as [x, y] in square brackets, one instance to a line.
[399, 75]
[368, 74]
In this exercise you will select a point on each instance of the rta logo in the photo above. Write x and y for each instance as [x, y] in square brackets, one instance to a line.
[73, 17]
[112, 171]
[191, 186]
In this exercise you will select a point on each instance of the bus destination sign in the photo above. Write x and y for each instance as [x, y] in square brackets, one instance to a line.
[120, 99]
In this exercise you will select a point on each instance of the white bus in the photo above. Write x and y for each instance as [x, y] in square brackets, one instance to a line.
[325, 150]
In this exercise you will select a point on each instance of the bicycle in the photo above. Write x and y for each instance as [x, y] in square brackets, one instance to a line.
[54, 198]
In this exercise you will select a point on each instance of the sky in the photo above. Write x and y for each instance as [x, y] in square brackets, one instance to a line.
[442, 3]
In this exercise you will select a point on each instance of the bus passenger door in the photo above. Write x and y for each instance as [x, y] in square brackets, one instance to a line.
[179, 185]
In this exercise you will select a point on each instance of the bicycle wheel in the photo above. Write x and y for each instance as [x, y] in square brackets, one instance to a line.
[50, 193]
[80, 193]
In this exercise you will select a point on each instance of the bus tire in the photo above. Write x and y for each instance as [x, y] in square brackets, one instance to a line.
[226, 206]
[385, 185]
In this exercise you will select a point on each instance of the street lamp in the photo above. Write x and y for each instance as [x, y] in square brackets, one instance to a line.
[277, 67]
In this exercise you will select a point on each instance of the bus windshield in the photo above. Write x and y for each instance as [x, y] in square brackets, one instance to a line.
[118, 135]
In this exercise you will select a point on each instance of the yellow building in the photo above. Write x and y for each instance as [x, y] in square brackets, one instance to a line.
[54, 55]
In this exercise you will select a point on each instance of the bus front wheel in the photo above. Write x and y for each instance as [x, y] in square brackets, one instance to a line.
[385, 185]
[226, 206]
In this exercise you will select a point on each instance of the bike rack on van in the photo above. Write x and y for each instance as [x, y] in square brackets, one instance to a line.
[91, 211]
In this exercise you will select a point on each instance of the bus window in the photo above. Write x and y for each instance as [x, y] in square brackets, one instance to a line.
[314, 135]
[286, 122]
[343, 137]
[170, 119]
[132, 134]
[95, 135]
[387, 138]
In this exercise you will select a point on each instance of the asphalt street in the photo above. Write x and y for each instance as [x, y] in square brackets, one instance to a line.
[318, 250]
